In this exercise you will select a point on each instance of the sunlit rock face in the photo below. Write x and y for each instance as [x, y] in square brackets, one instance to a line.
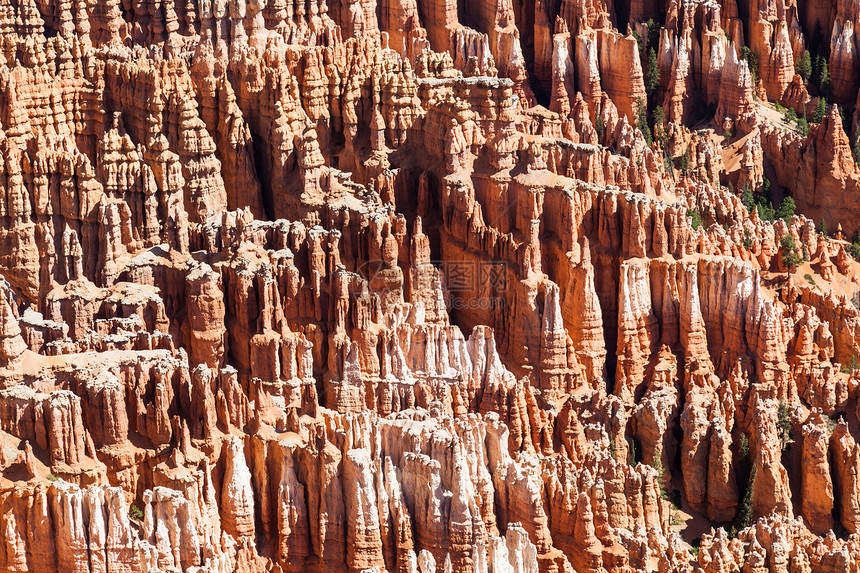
[424, 286]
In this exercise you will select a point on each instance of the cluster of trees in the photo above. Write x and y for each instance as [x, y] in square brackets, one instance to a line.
[791, 116]
[816, 75]
[811, 65]
[695, 219]
[800, 122]
[821, 76]
[648, 56]
[657, 126]
[815, 71]
[820, 111]
[764, 204]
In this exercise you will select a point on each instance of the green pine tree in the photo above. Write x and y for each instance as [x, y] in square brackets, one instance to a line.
[783, 424]
[743, 518]
[652, 72]
[747, 198]
[824, 79]
[600, 127]
[659, 119]
[786, 209]
[790, 259]
[855, 149]
[822, 228]
[816, 69]
[685, 162]
[695, 220]
[653, 33]
[802, 126]
[765, 210]
[752, 60]
[804, 66]
[661, 476]
[820, 110]
[642, 120]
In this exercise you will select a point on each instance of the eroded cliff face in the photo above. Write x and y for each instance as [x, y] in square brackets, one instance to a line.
[402, 286]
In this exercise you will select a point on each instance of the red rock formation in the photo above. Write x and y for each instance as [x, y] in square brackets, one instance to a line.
[797, 97]
[321, 287]
[817, 494]
[843, 63]
[820, 167]
[609, 61]
[735, 107]
[12, 346]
